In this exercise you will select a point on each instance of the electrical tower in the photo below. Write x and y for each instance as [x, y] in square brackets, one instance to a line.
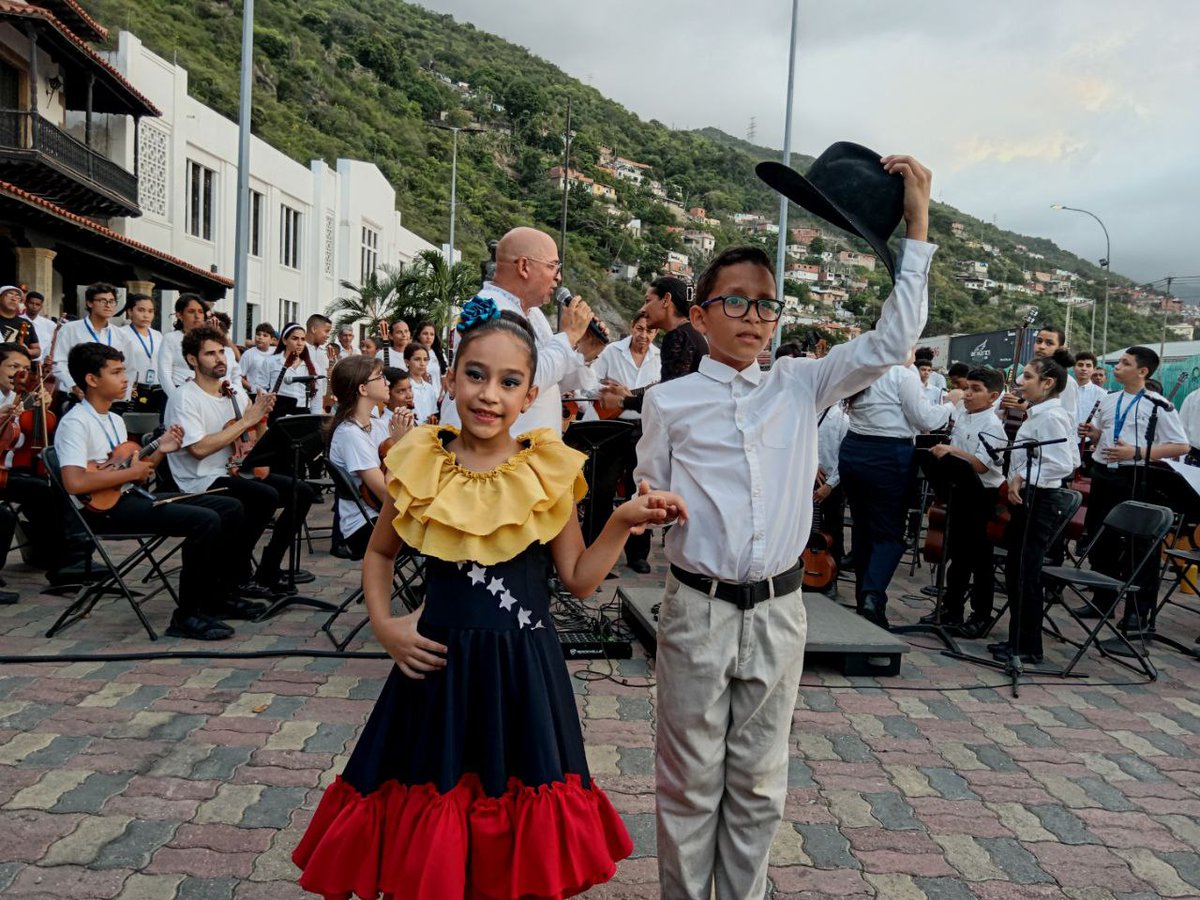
[752, 129]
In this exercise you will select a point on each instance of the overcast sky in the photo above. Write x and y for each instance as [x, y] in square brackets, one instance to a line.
[1015, 105]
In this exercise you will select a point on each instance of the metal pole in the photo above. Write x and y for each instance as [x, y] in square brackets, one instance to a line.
[1068, 328]
[566, 186]
[1107, 271]
[1162, 344]
[453, 191]
[781, 241]
[242, 235]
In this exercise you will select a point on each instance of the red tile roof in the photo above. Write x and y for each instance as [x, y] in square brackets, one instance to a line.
[75, 9]
[12, 190]
[7, 7]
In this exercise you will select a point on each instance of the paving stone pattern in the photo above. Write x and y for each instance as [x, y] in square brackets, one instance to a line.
[195, 778]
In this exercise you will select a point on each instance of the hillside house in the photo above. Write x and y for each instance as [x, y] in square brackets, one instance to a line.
[803, 272]
[853, 258]
[804, 235]
[700, 241]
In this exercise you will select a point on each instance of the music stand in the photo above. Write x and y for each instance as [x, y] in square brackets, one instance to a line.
[943, 476]
[288, 445]
[603, 442]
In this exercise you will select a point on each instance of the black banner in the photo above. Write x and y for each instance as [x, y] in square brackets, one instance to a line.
[990, 348]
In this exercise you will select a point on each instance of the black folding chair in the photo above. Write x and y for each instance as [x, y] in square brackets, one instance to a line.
[1140, 525]
[408, 575]
[112, 581]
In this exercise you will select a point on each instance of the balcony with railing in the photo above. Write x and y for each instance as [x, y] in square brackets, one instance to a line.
[40, 157]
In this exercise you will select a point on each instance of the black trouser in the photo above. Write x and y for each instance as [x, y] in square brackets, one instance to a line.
[969, 553]
[357, 542]
[1113, 554]
[616, 466]
[1026, 557]
[260, 498]
[207, 524]
[32, 493]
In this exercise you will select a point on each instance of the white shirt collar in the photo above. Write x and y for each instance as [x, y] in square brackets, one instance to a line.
[1040, 409]
[724, 374]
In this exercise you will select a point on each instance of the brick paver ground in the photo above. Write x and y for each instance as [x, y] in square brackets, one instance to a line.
[195, 778]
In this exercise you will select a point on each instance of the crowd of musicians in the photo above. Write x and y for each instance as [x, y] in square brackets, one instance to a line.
[66, 384]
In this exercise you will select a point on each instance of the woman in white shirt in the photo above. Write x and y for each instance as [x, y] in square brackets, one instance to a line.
[142, 343]
[173, 370]
[355, 436]
[290, 373]
[425, 391]
[1046, 510]
[427, 337]
[876, 464]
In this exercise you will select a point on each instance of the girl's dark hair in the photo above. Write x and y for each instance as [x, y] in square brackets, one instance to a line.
[436, 349]
[183, 302]
[1054, 367]
[132, 300]
[729, 257]
[414, 347]
[344, 380]
[676, 289]
[508, 322]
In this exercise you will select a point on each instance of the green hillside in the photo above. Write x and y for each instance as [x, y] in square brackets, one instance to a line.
[364, 78]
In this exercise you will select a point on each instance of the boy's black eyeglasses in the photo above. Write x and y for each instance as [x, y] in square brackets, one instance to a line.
[736, 307]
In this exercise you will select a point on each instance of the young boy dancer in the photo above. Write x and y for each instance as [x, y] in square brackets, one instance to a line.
[740, 446]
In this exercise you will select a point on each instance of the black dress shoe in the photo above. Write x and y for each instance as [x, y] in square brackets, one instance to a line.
[254, 591]
[237, 608]
[198, 627]
[1089, 612]
[846, 564]
[8, 598]
[949, 620]
[874, 610]
[640, 566]
[1006, 654]
[302, 576]
[998, 647]
[974, 628]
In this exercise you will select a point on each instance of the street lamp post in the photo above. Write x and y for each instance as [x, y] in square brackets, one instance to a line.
[781, 241]
[1106, 264]
[241, 240]
[454, 176]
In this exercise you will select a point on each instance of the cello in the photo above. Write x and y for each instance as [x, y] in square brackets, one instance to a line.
[1013, 416]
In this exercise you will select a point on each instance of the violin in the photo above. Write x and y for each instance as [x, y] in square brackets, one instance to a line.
[37, 422]
[122, 457]
[242, 446]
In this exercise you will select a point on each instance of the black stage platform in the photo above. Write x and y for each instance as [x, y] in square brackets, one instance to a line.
[836, 636]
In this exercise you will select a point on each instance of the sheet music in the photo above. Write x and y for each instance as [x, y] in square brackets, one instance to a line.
[1190, 474]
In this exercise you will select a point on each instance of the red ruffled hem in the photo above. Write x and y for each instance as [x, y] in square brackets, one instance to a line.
[409, 842]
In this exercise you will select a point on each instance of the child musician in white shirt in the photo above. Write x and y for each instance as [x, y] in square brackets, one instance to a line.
[739, 445]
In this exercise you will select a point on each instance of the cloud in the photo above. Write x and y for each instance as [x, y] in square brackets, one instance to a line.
[1048, 148]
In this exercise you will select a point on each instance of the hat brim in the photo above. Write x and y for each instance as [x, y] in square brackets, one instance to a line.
[804, 193]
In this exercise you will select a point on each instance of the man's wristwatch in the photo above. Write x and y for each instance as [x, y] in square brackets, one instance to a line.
[1137, 454]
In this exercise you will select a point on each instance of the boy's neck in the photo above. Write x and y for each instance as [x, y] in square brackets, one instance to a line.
[97, 323]
[1083, 380]
[1134, 385]
[98, 402]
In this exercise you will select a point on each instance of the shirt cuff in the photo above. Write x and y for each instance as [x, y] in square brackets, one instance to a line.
[915, 256]
[562, 338]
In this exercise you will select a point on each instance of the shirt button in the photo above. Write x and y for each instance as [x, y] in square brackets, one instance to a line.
[758, 535]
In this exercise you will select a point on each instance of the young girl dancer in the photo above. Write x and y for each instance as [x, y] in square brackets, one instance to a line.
[470, 780]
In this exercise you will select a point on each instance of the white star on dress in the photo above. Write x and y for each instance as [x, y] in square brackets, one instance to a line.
[507, 600]
[523, 616]
[478, 574]
[538, 625]
[495, 587]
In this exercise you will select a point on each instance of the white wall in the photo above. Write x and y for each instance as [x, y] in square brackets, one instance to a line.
[353, 193]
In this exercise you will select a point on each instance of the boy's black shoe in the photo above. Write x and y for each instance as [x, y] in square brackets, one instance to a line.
[949, 620]
[998, 647]
[238, 608]
[640, 566]
[874, 610]
[8, 598]
[252, 590]
[1006, 654]
[198, 627]
[974, 628]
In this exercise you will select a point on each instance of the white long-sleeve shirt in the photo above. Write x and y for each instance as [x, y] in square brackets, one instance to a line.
[831, 428]
[617, 363]
[81, 331]
[896, 406]
[1189, 416]
[1087, 396]
[740, 447]
[965, 435]
[559, 368]
[1053, 463]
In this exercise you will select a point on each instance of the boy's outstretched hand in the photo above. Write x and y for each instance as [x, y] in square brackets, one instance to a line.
[917, 185]
[651, 508]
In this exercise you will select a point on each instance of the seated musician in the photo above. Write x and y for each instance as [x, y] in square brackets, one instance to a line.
[86, 437]
[25, 489]
[356, 435]
[291, 373]
[969, 552]
[213, 423]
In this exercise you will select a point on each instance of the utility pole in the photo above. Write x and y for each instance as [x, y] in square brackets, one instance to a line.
[566, 187]
[241, 240]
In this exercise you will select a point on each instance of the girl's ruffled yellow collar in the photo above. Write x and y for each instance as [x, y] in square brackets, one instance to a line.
[457, 514]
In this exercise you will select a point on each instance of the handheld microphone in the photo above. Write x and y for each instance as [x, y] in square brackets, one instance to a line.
[563, 297]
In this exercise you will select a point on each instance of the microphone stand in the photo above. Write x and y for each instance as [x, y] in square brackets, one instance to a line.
[1013, 667]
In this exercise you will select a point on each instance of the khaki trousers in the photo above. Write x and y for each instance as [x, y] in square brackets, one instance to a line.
[727, 685]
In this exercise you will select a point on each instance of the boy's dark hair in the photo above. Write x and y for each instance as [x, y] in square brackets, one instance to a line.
[7, 349]
[1054, 329]
[316, 319]
[923, 361]
[90, 359]
[1085, 355]
[677, 288]
[1145, 359]
[193, 340]
[509, 322]
[95, 290]
[224, 319]
[265, 328]
[1054, 366]
[958, 370]
[730, 257]
[394, 374]
[990, 378]
[38, 294]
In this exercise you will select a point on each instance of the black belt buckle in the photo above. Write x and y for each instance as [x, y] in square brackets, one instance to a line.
[740, 595]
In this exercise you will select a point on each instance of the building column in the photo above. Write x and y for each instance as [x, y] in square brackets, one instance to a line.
[139, 287]
[35, 267]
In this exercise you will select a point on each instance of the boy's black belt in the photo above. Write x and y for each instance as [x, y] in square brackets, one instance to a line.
[743, 595]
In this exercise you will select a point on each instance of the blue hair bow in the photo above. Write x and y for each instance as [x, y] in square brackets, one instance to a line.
[477, 311]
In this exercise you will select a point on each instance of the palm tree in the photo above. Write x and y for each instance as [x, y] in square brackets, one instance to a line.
[373, 300]
[430, 289]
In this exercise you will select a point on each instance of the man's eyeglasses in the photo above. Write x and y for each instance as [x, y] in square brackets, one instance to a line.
[736, 307]
[105, 301]
[553, 263]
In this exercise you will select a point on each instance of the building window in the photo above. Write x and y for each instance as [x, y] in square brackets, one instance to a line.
[252, 320]
[201, 199]
[370, 252]
[289, 237]
[288, 310]
[256, 207]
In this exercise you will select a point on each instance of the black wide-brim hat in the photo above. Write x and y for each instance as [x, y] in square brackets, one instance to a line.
[846, 186]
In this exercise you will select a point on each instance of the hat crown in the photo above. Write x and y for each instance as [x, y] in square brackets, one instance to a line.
[851, 176]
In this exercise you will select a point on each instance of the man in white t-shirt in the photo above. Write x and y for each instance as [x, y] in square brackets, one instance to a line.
[213, 424]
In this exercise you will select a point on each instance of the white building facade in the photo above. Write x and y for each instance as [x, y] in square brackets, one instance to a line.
[311, 227]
